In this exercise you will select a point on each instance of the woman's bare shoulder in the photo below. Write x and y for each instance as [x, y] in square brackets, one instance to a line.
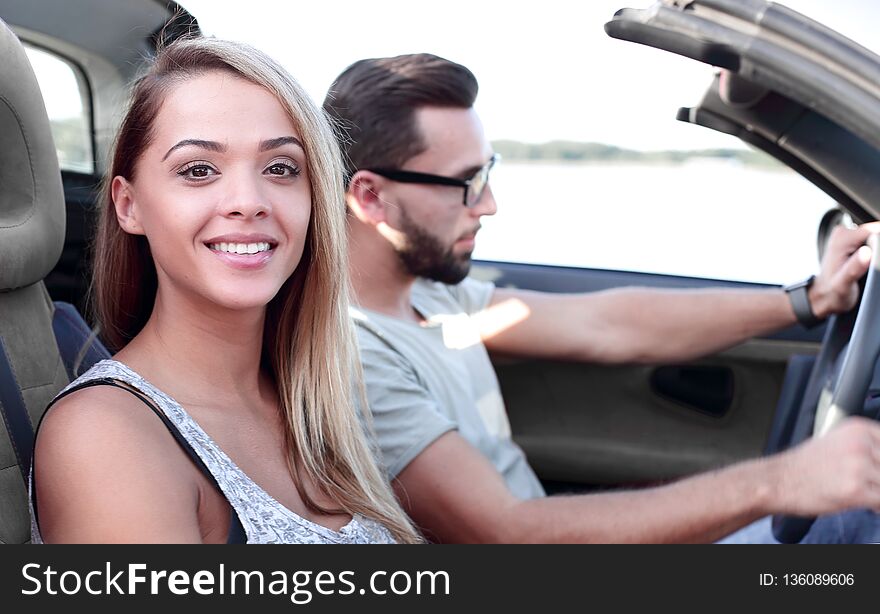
[101, 416]
[107, 469]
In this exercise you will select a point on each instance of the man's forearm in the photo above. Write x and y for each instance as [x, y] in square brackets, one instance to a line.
[651, 326]
[646, 325]
[823, 475]
[701, 509]
[456, 495]
[630, 324]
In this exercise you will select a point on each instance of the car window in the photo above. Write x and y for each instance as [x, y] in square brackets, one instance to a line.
[67, 103]
[737, 216]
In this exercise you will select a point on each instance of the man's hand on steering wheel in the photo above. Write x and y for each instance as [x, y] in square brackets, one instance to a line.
[838, 471]
[846, 260]
[840, 466]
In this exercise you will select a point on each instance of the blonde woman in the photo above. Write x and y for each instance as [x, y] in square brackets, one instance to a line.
[220, 278]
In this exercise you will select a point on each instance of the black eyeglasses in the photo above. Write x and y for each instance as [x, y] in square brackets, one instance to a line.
[473, 187]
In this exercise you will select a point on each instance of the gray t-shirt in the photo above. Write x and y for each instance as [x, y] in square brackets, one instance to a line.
[425, 380]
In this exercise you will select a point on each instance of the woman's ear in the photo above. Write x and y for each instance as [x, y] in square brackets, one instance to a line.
[364, 198]
[122, 193]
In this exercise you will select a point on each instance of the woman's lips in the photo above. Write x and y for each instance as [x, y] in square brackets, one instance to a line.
[244, 262]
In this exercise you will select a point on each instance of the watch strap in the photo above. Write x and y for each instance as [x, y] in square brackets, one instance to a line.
[800, 303]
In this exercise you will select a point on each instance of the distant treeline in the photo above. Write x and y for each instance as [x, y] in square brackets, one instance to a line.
[572, 151]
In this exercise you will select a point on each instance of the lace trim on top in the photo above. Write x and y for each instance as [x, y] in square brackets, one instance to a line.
[265, 520]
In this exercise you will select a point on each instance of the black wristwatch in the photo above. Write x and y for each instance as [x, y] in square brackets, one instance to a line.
[800, 302]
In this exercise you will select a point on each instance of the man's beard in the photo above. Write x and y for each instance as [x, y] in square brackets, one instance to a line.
[424, 255]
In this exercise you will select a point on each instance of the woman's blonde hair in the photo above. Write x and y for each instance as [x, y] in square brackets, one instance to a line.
[309, 344]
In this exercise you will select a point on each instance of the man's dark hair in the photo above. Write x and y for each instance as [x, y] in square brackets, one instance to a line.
[373, 104]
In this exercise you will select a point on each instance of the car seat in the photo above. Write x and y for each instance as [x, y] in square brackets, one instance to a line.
[32, 227]
[80, 348]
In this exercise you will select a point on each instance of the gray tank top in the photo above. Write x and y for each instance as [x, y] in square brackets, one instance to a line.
[264, 519]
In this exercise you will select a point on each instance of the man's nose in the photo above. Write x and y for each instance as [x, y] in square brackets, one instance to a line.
[486, 205]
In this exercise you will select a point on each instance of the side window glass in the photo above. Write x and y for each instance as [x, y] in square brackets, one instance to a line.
[725, 214]
[67, 103]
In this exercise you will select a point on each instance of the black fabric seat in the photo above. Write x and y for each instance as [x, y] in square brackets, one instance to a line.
[32, 228]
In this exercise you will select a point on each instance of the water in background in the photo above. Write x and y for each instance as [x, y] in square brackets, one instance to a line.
[704, 218]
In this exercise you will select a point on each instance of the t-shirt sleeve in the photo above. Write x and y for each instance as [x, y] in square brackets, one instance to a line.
[472, 294]
[405, 417]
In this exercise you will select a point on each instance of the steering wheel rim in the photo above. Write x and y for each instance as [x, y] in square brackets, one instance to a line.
[830, 397]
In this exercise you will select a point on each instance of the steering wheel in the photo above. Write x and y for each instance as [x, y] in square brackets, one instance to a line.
[839, 379]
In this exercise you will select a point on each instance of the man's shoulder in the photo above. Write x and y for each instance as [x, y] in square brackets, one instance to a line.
[387, 345]
[428, 288]
[468, 296]
[373, 329]
[381, 332]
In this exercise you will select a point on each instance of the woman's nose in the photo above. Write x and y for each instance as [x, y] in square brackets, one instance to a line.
[245, 199]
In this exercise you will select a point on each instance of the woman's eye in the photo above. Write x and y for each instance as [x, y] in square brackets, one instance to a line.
[197, 172]
[282, 169]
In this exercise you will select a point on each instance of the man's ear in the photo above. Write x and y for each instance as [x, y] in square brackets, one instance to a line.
[123, 201]
[364, 197]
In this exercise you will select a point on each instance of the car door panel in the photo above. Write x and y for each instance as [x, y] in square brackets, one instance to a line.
[594, 425]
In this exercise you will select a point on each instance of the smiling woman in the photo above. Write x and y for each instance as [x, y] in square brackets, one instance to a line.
[220, 279]
[244, 188]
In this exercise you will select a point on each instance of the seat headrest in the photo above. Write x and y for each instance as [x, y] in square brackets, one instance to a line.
[32, 217]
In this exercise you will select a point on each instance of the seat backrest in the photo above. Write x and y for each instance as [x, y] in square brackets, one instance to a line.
[80, 348]
[31, 238]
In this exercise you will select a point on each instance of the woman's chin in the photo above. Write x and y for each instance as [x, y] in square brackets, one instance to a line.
[243, 299]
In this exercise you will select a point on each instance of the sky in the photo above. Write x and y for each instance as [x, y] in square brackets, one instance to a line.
[547, 70]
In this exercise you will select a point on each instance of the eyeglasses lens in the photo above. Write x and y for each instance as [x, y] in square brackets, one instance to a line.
[478, 183]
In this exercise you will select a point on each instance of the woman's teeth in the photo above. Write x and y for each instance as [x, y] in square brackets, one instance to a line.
[239, 248]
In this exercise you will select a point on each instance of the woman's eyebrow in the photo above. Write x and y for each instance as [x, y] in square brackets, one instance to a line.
[271, 144]
[209, 145]
[266, 145]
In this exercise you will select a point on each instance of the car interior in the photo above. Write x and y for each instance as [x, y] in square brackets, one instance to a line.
[46, 215]
[805, 95]
[32, 230]
[786, 86]
[836, 157]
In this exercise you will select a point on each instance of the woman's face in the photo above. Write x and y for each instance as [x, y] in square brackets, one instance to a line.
[222, 193]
